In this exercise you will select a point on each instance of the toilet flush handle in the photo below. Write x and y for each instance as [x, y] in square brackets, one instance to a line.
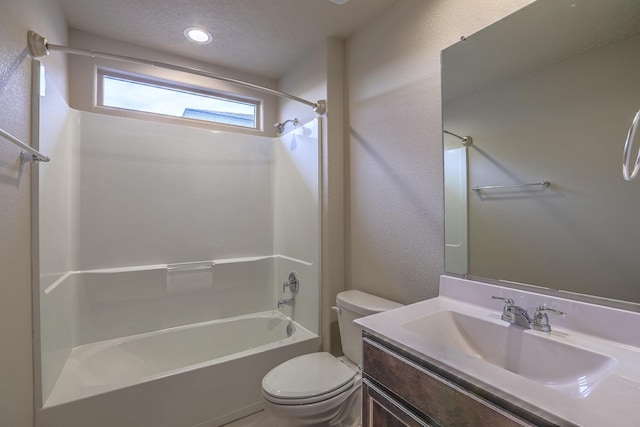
[336, 309]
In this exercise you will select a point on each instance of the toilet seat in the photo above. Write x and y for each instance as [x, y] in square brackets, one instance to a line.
[308, 379]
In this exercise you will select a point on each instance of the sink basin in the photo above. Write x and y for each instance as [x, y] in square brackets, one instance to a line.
[561, 366]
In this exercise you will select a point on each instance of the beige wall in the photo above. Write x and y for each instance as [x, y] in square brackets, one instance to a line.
[394, 214]
[16, 370]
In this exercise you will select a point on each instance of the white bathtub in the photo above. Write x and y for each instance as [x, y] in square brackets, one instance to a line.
[204, 374]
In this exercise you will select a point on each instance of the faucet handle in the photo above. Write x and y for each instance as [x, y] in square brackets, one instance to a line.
[541, 320]
[545, 309]
[507, 301]
[293, 283]
[507, 315]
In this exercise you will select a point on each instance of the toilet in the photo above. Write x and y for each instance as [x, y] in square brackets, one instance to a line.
[319, 389]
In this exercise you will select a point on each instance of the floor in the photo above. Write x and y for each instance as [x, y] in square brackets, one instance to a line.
[259, 419]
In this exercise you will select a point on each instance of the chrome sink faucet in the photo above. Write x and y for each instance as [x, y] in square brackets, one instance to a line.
[514, 314]
[518, 316]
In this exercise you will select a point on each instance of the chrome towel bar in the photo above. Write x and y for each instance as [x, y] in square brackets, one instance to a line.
[544, 184]
[626, 156]
[32, 154]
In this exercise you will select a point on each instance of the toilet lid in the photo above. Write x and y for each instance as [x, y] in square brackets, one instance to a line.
[314, 375]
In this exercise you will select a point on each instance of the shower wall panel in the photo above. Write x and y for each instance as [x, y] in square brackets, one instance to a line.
[58, 186]
[154, 193]
[58, 233]
[123, 302]
[296, 183]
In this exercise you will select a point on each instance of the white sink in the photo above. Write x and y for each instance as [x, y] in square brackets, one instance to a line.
[532, 355]
[586, 371]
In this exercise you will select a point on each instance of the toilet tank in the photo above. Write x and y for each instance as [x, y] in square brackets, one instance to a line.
[353, 305]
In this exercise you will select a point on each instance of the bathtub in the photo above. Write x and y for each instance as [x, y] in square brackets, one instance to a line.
[204, 374]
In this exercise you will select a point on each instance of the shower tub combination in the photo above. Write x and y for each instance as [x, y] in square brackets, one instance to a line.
[176, 345]
[202, 373]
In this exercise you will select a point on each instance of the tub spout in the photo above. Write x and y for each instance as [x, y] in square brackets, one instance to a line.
[288, 302]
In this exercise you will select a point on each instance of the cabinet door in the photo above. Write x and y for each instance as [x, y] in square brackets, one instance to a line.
[443, 401]
[381, 410]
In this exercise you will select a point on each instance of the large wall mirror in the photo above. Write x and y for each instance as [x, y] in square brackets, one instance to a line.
[548, 95]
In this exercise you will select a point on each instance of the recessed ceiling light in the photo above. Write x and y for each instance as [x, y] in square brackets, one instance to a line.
[197, 35]
[339, 1]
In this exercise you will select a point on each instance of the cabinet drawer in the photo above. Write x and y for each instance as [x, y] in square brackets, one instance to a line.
[441, 400]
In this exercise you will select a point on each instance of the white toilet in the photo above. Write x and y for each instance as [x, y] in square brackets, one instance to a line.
[319, 389]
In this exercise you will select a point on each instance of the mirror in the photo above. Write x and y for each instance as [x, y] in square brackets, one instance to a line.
[547, 94]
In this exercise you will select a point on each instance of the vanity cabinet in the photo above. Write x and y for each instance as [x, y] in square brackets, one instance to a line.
[398, 391]
[383, 410]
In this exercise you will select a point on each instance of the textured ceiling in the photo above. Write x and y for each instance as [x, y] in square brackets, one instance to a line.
[264, 37]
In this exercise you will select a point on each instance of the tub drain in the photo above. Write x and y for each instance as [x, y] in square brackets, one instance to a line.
[289, 328]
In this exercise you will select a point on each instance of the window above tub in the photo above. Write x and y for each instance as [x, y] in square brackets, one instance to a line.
[135, 93]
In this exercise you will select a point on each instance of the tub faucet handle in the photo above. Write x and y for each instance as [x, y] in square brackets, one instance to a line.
[293, 283]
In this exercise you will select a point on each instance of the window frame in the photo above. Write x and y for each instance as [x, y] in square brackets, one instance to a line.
[176, 86]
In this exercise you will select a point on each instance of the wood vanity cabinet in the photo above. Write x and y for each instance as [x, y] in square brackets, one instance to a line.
[398, 391]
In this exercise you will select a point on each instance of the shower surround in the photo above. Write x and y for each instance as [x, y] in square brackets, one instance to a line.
[147, 227]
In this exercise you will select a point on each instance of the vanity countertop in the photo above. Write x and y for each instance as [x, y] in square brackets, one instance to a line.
[609, 395]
